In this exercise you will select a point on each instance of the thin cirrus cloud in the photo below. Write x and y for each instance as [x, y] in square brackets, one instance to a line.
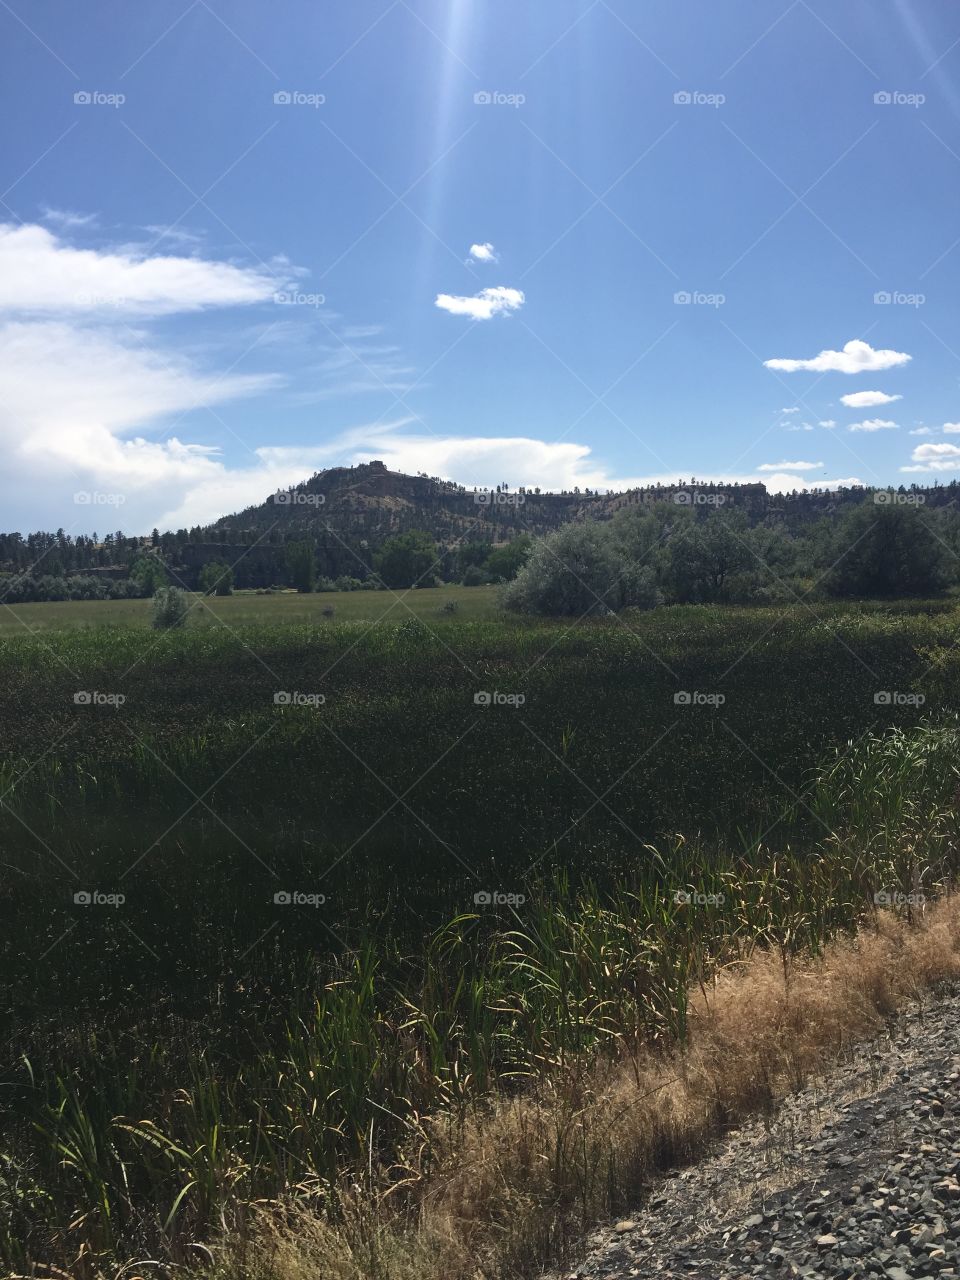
[874, 424]
[41, 274]
[867, 399]
[827, 422]
[855, 357]
[790, 466]
[484, 253]
[68, 219]
[483, 305]
[935, 457]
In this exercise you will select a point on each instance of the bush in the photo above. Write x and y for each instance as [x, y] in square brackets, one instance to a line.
[474, 576]
[170, 608]
[577, 571]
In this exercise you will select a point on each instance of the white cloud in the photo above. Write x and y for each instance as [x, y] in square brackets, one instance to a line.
[856, 357]
[786, 482]
[867, 399]
[799, 426]
[923, 431]
[790, 466]
[483, 305]
[827, 422]
[71, 399]
[935, 457]
[793, 410]
[951, 428]
[874, 424]
[41, 274]
[484, 253]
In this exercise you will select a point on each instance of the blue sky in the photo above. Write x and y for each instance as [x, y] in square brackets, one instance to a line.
[236, 246]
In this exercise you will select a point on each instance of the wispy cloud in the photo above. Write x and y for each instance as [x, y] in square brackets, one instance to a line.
[68, 219]
[176, 235]
[42, 274]
[790, 466]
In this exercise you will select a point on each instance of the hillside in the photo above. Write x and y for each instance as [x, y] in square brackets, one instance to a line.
[347, 513]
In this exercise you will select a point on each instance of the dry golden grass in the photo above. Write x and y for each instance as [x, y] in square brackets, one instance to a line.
[519, 1180]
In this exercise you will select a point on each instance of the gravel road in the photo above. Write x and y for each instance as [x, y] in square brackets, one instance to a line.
[856, 1175]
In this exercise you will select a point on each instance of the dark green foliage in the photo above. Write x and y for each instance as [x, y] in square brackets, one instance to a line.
[505, 562]
[216, 579]
[408, 560]
[301, 565]
[149, 573]
[884, 550]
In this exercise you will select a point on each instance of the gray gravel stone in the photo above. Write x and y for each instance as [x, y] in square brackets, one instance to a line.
[855, 1176]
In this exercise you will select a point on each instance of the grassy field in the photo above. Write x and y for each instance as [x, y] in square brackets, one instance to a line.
[243, 608]
[274, 894]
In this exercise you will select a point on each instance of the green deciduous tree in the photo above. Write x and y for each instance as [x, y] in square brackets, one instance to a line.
[505, 562]
[216, 578]
[883, 550]
[301, 565]
[407, 559]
